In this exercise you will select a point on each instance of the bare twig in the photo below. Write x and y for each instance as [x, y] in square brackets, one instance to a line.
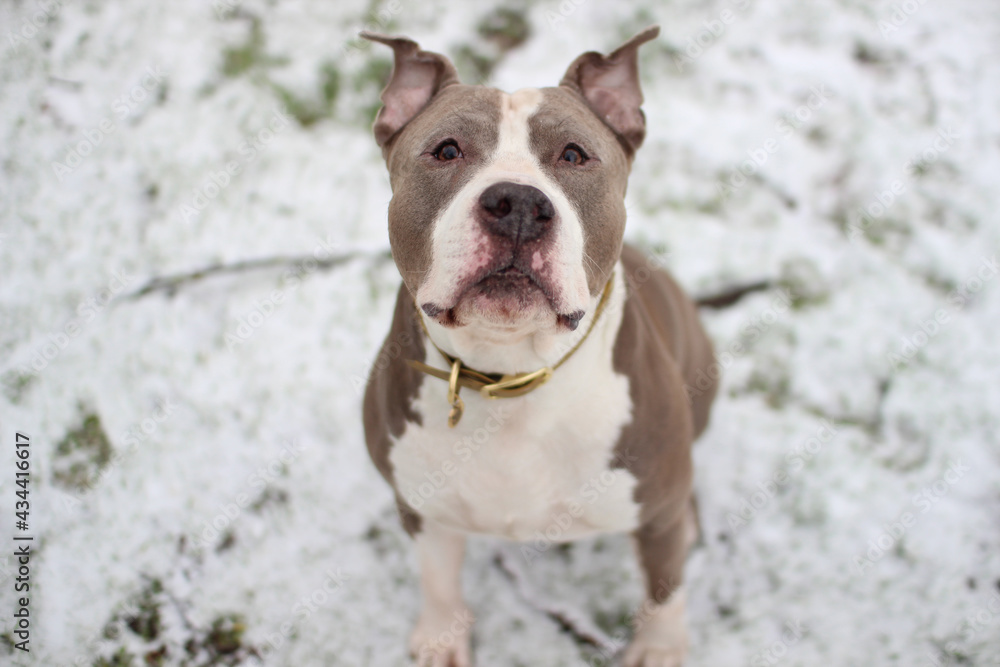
[170, 284]
[581, 628]
[731, 295]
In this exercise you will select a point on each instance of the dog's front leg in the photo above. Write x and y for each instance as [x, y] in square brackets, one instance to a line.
[441, 638]
[661, 638]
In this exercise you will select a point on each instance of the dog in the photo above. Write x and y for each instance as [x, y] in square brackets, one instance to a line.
[573, 349]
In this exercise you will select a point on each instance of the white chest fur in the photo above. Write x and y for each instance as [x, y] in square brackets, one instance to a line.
[540, 463]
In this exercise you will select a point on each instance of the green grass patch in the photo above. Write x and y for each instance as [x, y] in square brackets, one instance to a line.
[82, 454]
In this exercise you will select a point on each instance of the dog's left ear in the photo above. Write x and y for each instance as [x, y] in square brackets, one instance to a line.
[417, 76]
[611, 85]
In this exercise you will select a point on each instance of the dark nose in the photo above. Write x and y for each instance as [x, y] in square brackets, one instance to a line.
[519, 212]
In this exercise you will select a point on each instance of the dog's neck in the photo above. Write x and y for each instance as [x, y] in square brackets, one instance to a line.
[523, 348]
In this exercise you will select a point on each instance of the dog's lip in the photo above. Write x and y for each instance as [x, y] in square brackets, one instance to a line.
[446, 314]
[510, 270]
[571, 320]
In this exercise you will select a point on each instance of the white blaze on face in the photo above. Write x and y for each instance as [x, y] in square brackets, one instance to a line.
[460, 248]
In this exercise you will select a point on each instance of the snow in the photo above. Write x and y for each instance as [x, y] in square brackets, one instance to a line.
[866, 413]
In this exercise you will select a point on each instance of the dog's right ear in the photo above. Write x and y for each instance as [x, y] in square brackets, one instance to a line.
[417, 76]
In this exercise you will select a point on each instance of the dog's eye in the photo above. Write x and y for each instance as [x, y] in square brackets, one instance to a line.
[448, 150]
[573, 154]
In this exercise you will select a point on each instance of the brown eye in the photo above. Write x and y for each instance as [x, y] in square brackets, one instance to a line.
[447, 151]
[573, 154]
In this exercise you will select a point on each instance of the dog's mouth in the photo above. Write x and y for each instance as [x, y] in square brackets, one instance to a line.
[502, 295]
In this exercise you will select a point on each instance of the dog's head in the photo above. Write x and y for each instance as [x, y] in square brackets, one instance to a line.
[508, 209]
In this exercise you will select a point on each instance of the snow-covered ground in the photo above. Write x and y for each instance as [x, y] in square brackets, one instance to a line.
[200, 491]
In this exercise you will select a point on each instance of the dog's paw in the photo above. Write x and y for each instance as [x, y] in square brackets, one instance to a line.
[654, 656]
[661, 638]
[442, 641]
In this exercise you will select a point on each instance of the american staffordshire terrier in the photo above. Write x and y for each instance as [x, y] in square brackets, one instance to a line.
[574, 350]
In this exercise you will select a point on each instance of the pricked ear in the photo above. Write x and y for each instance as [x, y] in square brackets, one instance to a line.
[417, 76]
[611, 85]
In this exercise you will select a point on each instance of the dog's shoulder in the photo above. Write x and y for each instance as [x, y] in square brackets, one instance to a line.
[661, 319]
[658, 335]
[393, 385]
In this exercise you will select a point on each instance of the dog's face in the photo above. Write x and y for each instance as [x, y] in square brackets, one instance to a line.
[508, 209]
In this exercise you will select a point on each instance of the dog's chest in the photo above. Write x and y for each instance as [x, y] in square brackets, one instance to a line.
[539, 464]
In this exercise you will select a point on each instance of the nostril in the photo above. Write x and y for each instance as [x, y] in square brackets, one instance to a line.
[501, 208]
[496, 202]
[544, 211]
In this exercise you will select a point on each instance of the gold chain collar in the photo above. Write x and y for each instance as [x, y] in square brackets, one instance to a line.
[493, 385]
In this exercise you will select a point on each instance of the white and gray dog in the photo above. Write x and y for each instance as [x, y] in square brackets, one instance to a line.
[506, 223]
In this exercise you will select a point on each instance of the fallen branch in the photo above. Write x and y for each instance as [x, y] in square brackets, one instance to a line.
[170, 284]
[572, 621]
[731, 295]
